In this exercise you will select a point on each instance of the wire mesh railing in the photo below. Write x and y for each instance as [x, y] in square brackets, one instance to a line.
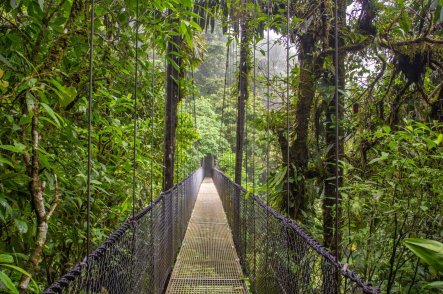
[140, 255]
[276, 254]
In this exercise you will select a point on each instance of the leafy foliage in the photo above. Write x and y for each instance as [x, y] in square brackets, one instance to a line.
[44, 85]
[391, 123]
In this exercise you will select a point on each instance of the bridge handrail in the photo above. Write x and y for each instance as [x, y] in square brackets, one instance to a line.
[80, 270]
[310, 241]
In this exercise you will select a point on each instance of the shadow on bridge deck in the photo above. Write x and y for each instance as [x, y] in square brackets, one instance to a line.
[208, 261]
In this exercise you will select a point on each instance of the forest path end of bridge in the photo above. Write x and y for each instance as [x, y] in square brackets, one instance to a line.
[208, 262]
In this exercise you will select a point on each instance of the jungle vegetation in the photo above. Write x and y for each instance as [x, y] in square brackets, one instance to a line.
[203, 88]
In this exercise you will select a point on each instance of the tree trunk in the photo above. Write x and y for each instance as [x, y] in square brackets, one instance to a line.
[299, 150]
[332, 237]
[36, 189]
[242, 97]
[59, 46]
[171, 102]
[329, 220]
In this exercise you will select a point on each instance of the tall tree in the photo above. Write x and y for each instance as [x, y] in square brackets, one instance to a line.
[330, 235]
[173, 96]
[243, 76]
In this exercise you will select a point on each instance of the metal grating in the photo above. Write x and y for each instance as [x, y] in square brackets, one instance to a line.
[209, 269]
[207, 262]
[206, 286]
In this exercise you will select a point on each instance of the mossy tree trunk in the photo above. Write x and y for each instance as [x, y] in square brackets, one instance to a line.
[299, 154]
[172, 99]
[244, 69]
[330, 235]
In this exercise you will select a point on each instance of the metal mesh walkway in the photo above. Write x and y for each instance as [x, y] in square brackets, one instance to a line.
[207, 262]
[278, 255]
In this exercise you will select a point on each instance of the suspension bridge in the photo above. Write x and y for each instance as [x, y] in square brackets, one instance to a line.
[206, 235]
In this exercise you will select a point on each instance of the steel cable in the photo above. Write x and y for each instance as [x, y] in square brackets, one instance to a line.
[90, 99]
[134, 163]
[337, 139]
[268, 93]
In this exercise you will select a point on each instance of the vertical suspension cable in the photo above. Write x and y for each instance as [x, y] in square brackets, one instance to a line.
[254, 95]
[268, 93]
[188, 109]
[224, 99]
[246, 143]
[177, 150]
[287, 106]
[228, 105]
[134, 162]
[151, 151]
[165, 65]
[194, 112]
[337, 128]
[185, 109]
[88, 189]
[228, 89]
[151, 167]
[231, 104]
[246, 146]
[288, 36]
[267, 125]
[181, 152]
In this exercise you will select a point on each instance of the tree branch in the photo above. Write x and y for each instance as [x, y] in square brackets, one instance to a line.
[56, 200]
[350, 48]
[420, 40]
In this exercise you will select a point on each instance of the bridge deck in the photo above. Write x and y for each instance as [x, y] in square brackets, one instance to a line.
[208, 261]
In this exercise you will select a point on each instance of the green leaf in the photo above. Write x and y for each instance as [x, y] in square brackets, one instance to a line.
[26, 84]
[96, 182]
[439, 139]
[430, 251]
[6, 161]
[123, 17]
[195, 25]
[51, 113]
[183, 28]
[21, 226]
[65, 94]
[435, 285]
[16, 268]
[41, 4]
[22, 271]
[4, 85]
[17, 147]
[14, 3]
[187, 3]
[5, 61]
[8, 283]
[6, 258]
[131, 4]
[6, 208]
[381, 158]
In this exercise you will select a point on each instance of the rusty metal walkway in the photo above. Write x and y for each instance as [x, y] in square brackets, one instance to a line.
[208, 261]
